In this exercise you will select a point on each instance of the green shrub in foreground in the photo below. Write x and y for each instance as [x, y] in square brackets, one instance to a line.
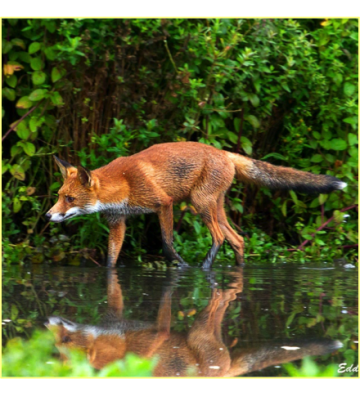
[35, 358]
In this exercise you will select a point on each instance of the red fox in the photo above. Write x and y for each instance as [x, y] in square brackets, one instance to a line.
[152, 180]
[200, 351]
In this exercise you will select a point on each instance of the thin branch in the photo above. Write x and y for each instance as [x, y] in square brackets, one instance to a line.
[222, 110]
[94, 260]
[170, 56]
[21, 119]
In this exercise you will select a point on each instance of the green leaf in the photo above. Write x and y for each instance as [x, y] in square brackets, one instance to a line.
[37, 94]
[55, 186]
[349, 89]
[232, 137]
[18, 42]
[5, 167]
[23, 133]
[29, 148]
[351, 120]
[252, 120]
[294, 197]
[246, 145]
[9, 93]
[353, 151]
[255, 101]
[34, 47]
[15, 149]
[18, 172]
[316, 158]
[257, 83]
[338, 216]
[14, 310]
[56, 74]
[50, 25]
[352, 138]
[330, 158]
[33, 124]
[6, 46]
[56, 99]
[38, 77]
[24, 102]
[323, 198]
[36, 63]
[338, 144]
[16, 205]
[284, 209]
[286, 87]
[11, 81]
[314, 203]
[237, 124]
[50, 53]
[22, 130]
[337, 78]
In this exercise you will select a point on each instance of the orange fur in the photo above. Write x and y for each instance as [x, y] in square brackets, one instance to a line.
[153, 180]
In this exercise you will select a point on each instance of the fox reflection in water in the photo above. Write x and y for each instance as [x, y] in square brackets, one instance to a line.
[199, 352]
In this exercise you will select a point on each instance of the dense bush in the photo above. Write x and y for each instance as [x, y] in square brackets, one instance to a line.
[90, 90]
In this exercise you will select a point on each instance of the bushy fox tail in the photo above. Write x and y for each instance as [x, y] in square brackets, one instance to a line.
[279, 177]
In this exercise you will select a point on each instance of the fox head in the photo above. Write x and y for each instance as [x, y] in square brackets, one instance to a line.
[100, 346]
[77, 196]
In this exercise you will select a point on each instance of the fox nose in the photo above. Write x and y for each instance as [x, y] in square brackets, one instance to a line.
[48, 216]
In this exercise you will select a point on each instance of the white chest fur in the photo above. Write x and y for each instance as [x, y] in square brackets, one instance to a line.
[121, 208]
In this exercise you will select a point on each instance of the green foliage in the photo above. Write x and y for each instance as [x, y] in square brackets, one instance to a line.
[309, 368]
[34, 358]
[90, 90]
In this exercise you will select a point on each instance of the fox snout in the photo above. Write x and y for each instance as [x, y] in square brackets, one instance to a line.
[55, 217]
[60, 217]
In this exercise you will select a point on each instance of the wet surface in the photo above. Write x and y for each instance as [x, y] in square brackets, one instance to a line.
[227, 322]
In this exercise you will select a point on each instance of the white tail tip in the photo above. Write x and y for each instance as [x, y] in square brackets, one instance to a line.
[338, 344]
[341, 185]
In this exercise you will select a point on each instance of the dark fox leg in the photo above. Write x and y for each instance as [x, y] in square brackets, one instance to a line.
[166, 223]
[236, 241]
[116, 239]
[217, 237]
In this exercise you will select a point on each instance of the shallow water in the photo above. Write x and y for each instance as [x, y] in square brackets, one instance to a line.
[229, 321]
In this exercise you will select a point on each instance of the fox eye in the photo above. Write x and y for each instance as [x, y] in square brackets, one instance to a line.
[69, 199]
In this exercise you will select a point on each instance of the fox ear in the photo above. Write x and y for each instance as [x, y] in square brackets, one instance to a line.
[84, 176]
[63, 166]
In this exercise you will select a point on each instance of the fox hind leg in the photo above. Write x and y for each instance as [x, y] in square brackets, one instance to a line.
[208, 213]
[235, 240]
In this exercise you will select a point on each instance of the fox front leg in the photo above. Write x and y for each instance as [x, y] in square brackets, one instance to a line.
[166, 223]
[116, 238]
